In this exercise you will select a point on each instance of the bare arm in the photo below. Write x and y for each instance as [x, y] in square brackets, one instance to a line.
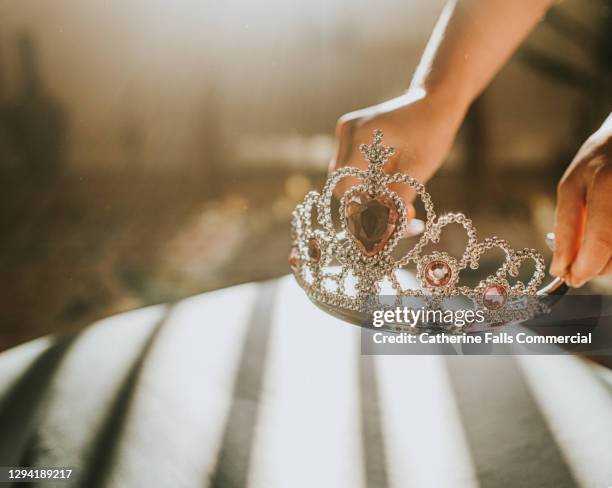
[471, 41]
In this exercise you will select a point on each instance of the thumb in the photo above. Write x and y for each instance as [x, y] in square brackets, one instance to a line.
[570, 216]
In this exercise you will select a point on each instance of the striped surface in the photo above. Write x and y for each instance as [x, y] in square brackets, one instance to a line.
[253, 386]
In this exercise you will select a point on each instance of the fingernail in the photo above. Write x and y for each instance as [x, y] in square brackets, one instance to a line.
[556, 268]
[573, 282]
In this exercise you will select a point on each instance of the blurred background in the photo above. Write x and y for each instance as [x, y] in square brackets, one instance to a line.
[153, 150]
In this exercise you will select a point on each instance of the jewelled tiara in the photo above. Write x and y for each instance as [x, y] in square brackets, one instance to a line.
[342, 266]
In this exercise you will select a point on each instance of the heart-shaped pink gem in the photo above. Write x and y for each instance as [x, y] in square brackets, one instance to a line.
[371, 221]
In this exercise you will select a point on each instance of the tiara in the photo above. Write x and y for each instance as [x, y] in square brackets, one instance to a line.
[341, 264]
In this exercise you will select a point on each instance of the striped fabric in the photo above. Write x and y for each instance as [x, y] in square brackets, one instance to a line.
[254, 386]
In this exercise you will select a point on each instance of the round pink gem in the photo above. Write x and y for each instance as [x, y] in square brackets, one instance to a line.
[438, 273]
[494, 297]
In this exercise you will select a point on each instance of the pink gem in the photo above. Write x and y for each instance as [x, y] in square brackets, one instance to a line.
[494, 297]
[314, 250]
[294, 258]
[438, 273]
[371, 221]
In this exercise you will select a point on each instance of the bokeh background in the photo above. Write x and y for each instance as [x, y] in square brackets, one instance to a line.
[150, 150]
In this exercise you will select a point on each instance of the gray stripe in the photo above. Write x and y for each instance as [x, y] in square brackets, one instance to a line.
[509, 438]
[22, 405]
[375, 461]
[233, 462]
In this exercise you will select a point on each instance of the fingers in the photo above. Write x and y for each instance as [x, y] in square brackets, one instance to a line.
[569, 225]
[351, 130]
[405, 192]
[345, 128]
[345, 134]
[596, 250]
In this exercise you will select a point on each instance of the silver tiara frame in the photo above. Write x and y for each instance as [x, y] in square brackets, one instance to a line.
[325, 260]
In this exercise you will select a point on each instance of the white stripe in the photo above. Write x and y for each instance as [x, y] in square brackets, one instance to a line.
[82, 389]
[425, 441]
[309, 433]
[578, 409]
[15, 361]
[182, 403]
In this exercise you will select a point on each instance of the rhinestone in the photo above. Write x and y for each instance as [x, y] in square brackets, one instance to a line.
[494, 297]
[438, 273]
[314, 250]
[294, 258]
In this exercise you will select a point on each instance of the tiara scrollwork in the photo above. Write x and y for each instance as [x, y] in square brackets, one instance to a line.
[345, 264]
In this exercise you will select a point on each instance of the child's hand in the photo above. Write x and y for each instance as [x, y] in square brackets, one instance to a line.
[420, 128]
[583, 223]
